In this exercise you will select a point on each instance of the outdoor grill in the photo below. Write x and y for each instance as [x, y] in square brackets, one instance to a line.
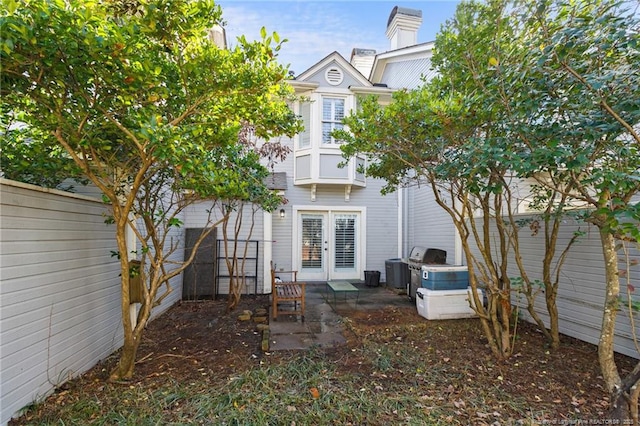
[418, 257]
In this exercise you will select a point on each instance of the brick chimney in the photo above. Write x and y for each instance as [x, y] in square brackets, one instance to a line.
[402, 27]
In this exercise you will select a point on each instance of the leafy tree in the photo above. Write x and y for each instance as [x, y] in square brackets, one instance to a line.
[554, 97]
[452, 135]
[578, 122]
[235, 247]
[151, 111]
[25, 159]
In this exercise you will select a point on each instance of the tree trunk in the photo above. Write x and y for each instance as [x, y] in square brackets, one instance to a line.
[127, 361]
[624, 399]
[121, 239]
[505, 324]
[132, 338]
[551, 231]
[552, 309]
[620, 408]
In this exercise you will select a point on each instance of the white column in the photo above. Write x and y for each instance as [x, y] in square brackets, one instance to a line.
[457, 247]
[267, 255]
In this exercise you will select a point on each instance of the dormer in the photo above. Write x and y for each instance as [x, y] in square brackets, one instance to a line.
[330, 90]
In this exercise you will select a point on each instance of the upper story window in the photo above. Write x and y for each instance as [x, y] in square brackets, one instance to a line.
[332, 115]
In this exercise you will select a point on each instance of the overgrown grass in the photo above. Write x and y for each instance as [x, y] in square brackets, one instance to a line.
[395, 375]
[271, 394]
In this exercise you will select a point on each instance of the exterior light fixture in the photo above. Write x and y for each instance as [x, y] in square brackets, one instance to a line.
[281, 213]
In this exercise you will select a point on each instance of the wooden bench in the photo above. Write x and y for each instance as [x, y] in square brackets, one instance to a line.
[286, 292]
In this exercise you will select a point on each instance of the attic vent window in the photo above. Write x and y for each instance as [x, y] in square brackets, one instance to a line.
[333, 76]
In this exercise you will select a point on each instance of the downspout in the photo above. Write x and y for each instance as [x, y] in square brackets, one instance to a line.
[401, 221]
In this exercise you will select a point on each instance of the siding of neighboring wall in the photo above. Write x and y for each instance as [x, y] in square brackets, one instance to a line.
[429, 225]
[59, 291]
[403, 73]
[382, 226]
[582, 287]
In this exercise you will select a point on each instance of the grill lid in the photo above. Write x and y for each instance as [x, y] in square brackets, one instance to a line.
[421, 254]
[417, 254]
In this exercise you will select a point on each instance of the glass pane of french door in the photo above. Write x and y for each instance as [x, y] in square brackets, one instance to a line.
[344, 239]
[312, 250]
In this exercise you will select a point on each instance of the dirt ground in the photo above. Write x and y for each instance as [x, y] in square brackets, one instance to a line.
[198, 339]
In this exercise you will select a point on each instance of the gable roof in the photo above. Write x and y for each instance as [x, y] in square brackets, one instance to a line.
[342, 62]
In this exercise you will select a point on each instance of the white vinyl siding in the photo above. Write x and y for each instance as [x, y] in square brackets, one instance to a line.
[332, 115]
[408, 73]
[428, 224]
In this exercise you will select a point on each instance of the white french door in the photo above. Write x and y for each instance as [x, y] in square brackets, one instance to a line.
[329, 245]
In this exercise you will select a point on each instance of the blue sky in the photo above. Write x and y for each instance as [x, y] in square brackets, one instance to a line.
[315, 28]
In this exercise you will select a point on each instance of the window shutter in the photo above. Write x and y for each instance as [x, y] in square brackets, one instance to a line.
[305, 135]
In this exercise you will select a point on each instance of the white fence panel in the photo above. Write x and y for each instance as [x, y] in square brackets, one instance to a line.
[581, 290]
[59, 291]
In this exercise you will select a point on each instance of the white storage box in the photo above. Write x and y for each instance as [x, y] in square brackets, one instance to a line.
[445, 304]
